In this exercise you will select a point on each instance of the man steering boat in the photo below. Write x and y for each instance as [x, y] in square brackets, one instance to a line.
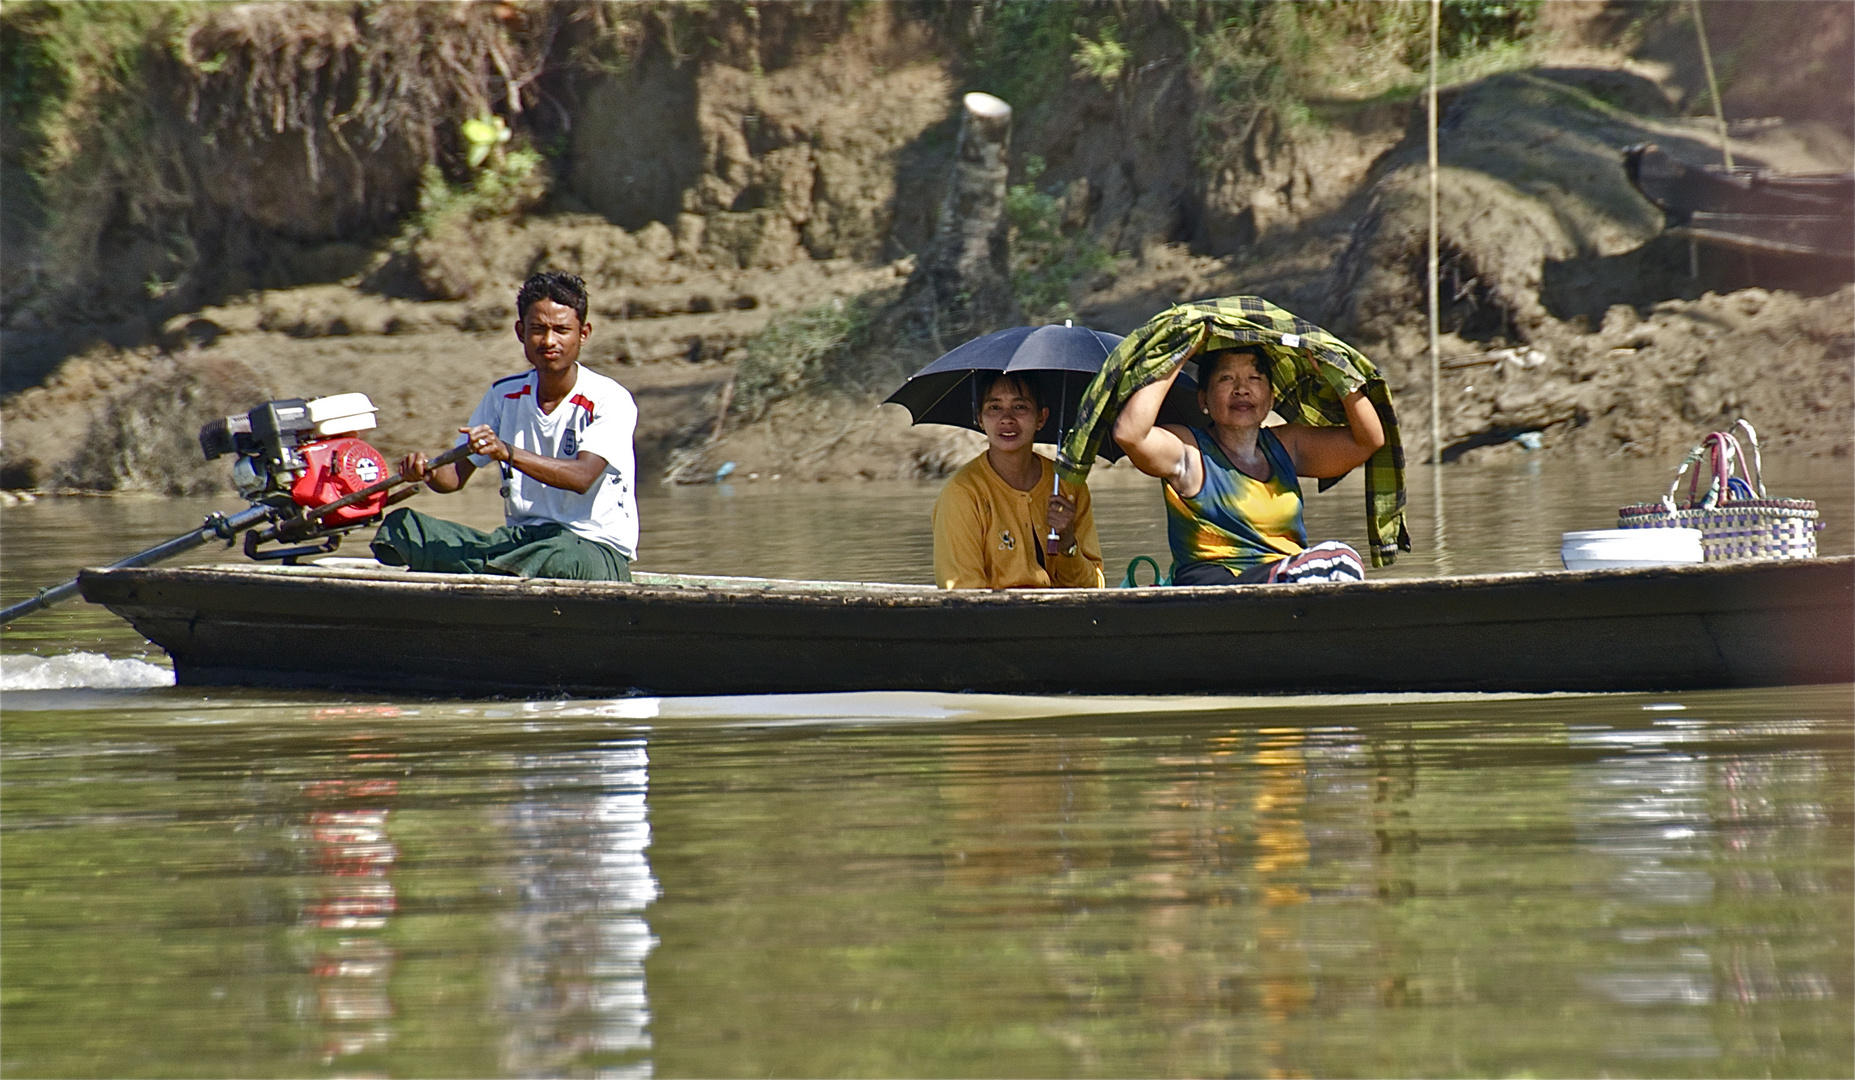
[561, 437]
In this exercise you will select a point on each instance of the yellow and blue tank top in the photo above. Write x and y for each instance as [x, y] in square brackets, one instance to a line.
[1234, 520]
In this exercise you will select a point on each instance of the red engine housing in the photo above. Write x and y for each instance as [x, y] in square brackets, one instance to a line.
[337, 467]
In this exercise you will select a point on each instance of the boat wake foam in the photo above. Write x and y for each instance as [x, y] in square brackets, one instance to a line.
[80, 670]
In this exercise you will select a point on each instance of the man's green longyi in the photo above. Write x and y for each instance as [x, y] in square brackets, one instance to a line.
[430, 544]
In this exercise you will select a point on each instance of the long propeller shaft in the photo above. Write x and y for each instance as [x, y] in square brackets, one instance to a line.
[217, 526]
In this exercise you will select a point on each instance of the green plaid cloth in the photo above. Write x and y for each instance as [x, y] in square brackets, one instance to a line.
[1313, 371]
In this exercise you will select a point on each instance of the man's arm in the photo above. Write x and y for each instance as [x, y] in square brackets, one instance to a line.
[444, 479]
[414, 466]
[576, 474]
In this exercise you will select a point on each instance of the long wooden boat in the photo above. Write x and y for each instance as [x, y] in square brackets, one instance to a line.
[1666, 628]
[1748, 207]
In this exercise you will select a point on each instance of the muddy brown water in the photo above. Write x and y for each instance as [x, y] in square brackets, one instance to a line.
[254, 883]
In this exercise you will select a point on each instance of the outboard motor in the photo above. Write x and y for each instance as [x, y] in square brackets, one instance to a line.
[294, 455]
[304, 469]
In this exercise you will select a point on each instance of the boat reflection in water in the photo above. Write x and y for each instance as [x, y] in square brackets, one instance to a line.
[573, 988]
[1439, 885]
[899, 885]
[1263, 855]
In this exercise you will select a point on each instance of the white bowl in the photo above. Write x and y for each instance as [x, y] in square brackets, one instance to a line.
[1612, 549]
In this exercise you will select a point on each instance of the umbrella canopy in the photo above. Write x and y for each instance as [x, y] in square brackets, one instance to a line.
[1061, 360]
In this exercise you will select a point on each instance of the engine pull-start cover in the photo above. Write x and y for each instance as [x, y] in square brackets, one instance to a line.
[336, 468]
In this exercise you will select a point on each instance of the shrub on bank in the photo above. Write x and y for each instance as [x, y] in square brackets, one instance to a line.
[1051, 250]
[170, 151]
[822, 349]
[162, 154]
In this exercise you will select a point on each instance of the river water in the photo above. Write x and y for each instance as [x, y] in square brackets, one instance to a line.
[255, 883]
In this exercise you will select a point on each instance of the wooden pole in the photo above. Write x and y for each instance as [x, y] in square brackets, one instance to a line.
[966, 268]
[721, 413]
[1436, 351]
[1436, 361]
[1713, 85]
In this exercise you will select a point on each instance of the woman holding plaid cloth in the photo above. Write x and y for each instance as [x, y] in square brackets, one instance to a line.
[1233, 500]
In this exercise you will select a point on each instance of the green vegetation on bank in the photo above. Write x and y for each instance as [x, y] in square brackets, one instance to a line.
[160, 143]
[1049, 254]
[1244, 56]
[1247, 58]
[825, 348]
[511, 183]
[70, 69]
[1254, 60]
[74, 109]
[833, 347]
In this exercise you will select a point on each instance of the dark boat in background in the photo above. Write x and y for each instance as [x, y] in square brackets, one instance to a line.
[1762, 623]
[1748, 207]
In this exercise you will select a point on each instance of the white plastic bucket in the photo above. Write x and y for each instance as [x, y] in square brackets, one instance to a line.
[1612, 549]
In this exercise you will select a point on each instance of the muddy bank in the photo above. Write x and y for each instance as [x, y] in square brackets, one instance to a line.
[1547, 251]
[788, 158]
[674, 344]
[1643, 382]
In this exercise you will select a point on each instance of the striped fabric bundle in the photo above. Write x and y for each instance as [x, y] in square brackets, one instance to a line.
[1313, 371]
[1328, 562]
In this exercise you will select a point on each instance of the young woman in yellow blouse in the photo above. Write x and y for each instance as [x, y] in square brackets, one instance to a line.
[992, 517]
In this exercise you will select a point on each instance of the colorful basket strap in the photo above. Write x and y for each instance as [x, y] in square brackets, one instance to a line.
[1758, 464]
[1726, 457]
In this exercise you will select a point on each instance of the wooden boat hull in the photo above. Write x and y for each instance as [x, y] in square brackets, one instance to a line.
[1667, 628]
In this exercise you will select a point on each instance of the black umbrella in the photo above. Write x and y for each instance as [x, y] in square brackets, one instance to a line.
[1061, 359]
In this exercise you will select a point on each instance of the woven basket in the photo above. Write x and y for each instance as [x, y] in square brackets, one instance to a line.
[1735, 517]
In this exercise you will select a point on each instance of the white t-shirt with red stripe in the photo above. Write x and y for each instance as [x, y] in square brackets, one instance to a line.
[598, 415]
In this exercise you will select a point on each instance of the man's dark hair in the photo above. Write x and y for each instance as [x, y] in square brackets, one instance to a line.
[565, 289]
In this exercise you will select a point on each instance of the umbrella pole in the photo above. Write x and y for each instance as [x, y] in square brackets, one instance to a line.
[1056, 478]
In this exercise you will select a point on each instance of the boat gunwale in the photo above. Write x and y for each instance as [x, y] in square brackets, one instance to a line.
[1746, 242]
[695, 588]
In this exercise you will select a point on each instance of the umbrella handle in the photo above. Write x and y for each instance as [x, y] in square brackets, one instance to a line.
[1051, 541]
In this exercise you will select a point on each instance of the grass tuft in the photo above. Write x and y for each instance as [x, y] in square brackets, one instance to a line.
[818, 350]
[1048, 255]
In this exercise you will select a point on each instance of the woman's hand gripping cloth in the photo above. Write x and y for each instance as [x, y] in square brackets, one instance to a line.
[1313, 371]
